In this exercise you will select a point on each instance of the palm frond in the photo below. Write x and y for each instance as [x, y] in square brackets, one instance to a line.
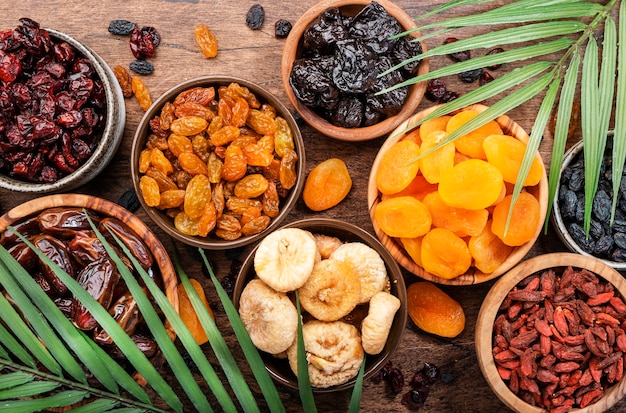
[619, 145]
[304, 383]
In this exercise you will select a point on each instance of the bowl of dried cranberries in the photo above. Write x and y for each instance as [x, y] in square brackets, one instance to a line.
[217, 162]
[352, 296]
[331, 64]
[62, 111]
[443, 214]
[550, 335]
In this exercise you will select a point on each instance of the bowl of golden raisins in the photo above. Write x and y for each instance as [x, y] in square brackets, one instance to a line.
[444, 213]
[217, 162]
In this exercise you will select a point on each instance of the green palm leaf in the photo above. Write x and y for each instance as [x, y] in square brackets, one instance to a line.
[10, 380]
[304, 383]
[619, 145]
[62, 399]
[97, 406]
[32, 388]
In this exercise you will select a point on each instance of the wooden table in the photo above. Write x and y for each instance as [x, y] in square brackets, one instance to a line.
[256, 55]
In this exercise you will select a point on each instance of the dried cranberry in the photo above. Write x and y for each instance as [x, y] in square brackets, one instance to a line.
[485, 77]
[435, 90]
[144, 41]
[457, 56]
[449, 96]
[425, 376]
[494, 51]
[282, 28]
[10, 67]
[255, 17]
[414, 399]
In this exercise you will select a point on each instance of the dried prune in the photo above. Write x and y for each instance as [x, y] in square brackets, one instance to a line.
[312, 84]
[470, 76]
[375, 27]
[141, 67]
[144, 41]
[406, 50]
[348, 113]
[282, 28]
[389, 103]
[121, 27]
[355, 67]
[324, 32]
[255, 17]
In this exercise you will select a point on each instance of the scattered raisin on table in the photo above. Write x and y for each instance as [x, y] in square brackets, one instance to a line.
[470, 76]
[435, 90]
[129, 200]
[457, 56]
[123, 78]
[141, 93]
[494, 51]
[144, 41]
[282, 28]
[255, 17]
[121, 27]
[206, 39]
[141, 67]
[485, 77]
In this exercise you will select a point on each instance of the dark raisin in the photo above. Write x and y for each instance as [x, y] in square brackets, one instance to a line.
[435, 90]
[485, 77]
[282, 28]
[141, 67]
[414, 399]
[395, 378]
[121, 27]
[620, 240]
[383, 372]
[129, 200]
[457, 56]
[494, 51]
[470, 76]
[144, 41]
[255, 17]
[449, 96]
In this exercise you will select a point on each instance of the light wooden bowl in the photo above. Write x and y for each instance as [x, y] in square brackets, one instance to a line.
[489, 310]
[110, 209]
[473, 275]
[279, 368]
[292, 51]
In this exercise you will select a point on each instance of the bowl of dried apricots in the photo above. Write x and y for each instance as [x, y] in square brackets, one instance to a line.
[442, 212]
[550, 336]
[217, 162]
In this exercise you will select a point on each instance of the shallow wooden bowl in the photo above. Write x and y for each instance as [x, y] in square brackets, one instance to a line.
[473, 276]
[104, 208]
[489, 310]
[293, 50]
[278, 367]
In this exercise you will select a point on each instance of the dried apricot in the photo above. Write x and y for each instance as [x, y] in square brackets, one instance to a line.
[434, 311]
[471, 143]
[524, 220]
[188, 313]
[506, 153]
[488, 251]
[413, 247]
[445, 254]
[327, 185]
[398, 166]
[403, 217]
[463, 222]
[472, 184]
[435, 124]
[418, 188]
[435, 163]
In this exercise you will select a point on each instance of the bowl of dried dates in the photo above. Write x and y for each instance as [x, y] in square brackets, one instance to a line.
[62, 111]
[217, 162]
[352, 299]
[58, 226]
[443, 214]
[606, 239]
[550, 335]
[331, 64]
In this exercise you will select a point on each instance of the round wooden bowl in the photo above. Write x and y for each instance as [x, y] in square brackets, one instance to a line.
[293, 50]
[473, 275]
[489, 310]
[279, 367]
[104, 208]
[212, 242]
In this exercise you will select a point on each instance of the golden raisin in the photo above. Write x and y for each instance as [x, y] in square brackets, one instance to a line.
[150, 191]
[206, 40]
[398, 167]
[235, 166]
[434, 311]
[197, 194]
[141, 93]
[172, 198]
[251, 186]
[207, 220]
[191, 164]
[186, 225]
[159, 161]
[188, 125]
[287, 172]
[403, 216]
[270, 200]
[472, 184]
[524, 222]
[201, 95]
[283, 138]
[123, 78]
[327, 185]
[241, 109]
[445, 254]
[179, 144]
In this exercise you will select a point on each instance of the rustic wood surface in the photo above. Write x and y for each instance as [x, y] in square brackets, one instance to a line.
[256, 55]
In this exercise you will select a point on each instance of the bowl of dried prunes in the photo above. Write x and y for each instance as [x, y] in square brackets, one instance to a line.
[62, 111]
[606, 238]
[341, 68]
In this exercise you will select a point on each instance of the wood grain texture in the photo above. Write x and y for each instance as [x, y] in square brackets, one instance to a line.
[256, 55]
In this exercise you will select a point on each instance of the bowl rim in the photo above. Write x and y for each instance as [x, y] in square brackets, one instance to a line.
[473, 276]
[400, 318]
[112, 132]
[491, 303]
[138, 144]
[416, 91]
[557, 218]
[105, 207]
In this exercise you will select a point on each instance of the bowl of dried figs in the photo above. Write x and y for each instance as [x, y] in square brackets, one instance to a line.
[58, 226]
[352, 298]
[606, 238]
[550, 335]
[331, 64]
[444, 214]
[217, 162]
[63, 111]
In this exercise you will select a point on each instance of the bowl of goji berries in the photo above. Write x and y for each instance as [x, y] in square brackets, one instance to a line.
[338, 59]
[217, 162]
[550, 335]
[62, 111]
